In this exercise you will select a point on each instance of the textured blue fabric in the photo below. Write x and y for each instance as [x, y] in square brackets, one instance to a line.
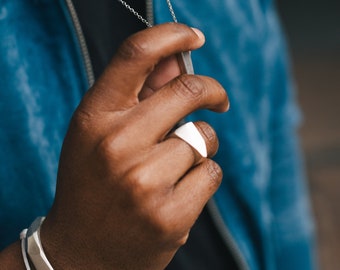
[263, 196]
[41, 82]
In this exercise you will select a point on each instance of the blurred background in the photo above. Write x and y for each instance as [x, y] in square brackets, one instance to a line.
[313, 31]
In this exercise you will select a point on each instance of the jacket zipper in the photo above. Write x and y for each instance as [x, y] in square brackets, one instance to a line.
[82, 42]
[226, 235]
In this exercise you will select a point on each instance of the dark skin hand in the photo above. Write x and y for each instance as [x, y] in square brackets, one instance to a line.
[127, 192]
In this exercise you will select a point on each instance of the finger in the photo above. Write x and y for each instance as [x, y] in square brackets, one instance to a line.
[210, 139]
[173, 102]
[171, 159]
[194, 190]
[123, 79]
[189, 133]
[165, 71]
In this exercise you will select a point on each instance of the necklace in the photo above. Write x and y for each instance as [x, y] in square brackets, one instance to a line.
[184, 58]
[141, 18]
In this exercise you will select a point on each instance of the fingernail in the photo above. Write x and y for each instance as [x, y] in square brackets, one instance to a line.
[228, 107]
[198, 33]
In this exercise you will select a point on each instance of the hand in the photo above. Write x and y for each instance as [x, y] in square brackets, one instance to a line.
[127, 193]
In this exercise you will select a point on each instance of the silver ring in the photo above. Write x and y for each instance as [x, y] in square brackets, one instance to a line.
[190, 134]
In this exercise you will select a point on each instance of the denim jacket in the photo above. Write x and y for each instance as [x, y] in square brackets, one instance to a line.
[261, 209]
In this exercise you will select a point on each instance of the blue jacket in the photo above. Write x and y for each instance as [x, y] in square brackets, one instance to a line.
[261, 208]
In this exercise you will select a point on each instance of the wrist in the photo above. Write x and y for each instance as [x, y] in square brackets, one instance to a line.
[57, 249]
[66, 246]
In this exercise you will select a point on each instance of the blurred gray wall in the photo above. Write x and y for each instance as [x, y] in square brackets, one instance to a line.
[313, 31]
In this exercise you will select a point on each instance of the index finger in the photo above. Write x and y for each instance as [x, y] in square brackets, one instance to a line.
[123, 79]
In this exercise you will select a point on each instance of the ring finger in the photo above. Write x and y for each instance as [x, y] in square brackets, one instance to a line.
[170, 160]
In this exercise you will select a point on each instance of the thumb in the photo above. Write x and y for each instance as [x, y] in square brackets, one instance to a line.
[141, 54]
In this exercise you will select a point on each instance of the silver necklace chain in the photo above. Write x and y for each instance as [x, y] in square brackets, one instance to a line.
[172, 12]
[184, 58]
[141, 18]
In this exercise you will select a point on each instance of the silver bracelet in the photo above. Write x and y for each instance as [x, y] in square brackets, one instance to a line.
[31, 246]
[23, 248]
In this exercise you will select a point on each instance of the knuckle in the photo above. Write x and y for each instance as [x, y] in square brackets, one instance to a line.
[160, 227]
[192, 88]
[138, 183]
[182, 240]
[82, 119]
[210, 137]
[131, 49]
[106, 150]
[159, 221]
[165, 231]
[114, 145]
[215, 174]
[111, 150]
[167, 228]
